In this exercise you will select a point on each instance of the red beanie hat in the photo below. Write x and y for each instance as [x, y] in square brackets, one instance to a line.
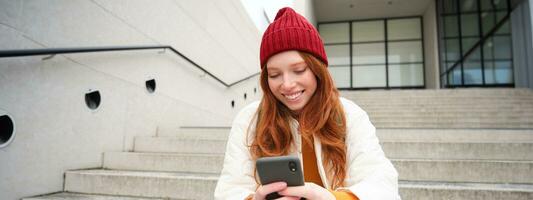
[291, 31]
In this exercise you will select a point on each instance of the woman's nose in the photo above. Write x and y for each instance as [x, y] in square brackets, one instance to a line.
[288, 82]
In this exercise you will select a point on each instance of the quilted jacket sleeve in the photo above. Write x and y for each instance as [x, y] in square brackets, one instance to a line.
[236, 179]
[371, 176]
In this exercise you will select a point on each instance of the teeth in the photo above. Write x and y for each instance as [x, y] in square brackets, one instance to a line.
[293, 96]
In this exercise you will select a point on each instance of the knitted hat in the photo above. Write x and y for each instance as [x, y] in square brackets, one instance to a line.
[291, 31]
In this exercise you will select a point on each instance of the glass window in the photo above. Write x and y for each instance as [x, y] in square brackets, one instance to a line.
[474, 56]
[449, 6]
[341, 75]
[488, 21]
[469, 25]
[399, 29]
[368, 58]
[334, 33]
[486, 5]
[369, 53]
[504, 72]
[488, 49]
[468, 43]
[451, 27]
[405, 52]
[454, 78]
[489, 72]
[338, 54]
[450, 65]
[472, 73]
[497, 50]
[368, 31]
[500, 4]
[452, 49]
[502, 47]
[406, 75]
[498, 72]
[369, 76]
[468, 5]
[505, 28]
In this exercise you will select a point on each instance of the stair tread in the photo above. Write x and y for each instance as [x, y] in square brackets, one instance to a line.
[148, 174]
[79, 196]
[168, 153]
[462, 160]
[178, 137]
[466, 186]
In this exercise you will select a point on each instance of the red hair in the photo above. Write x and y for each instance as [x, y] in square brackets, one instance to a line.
[322, 117]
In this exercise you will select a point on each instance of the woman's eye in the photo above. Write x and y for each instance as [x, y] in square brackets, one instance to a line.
[273, 75]
[300, 71]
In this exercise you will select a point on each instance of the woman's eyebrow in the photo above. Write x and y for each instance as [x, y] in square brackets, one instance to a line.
[272, 70]
[297, 63]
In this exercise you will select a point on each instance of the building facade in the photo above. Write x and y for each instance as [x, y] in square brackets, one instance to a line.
[428, 44]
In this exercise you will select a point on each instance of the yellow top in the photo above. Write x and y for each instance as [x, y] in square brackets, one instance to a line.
[311, 171]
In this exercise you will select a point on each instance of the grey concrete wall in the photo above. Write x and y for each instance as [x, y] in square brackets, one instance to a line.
[55, 131]
[431, 52]
[522, 41]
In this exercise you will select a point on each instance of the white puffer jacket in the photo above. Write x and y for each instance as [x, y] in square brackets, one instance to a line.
[371, 176]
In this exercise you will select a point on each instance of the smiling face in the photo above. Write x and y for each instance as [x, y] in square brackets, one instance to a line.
[290, 79]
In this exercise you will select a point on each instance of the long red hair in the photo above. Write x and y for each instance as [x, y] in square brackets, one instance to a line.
[322, 117]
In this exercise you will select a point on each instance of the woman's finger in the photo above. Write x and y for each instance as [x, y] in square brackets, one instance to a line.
[264, 190]
[288, 198]
[299, 191]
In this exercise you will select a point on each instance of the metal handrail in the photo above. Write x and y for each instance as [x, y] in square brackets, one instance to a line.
[53, 51]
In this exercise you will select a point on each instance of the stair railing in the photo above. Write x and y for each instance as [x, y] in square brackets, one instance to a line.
[54, 51]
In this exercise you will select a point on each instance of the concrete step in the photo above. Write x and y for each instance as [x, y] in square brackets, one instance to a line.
[142, 184]
[452, 109]
[467, 92]
[499, 144]
[455, 135]
[495, 150]
[385, 134]
[486, 103]
[455, 125]
[172, 186]
[420, 115]
[459, 151]
[458, 118]
[77, 196]
[433, 102]
[180, 144]
[417, 190]
[409, 169]
[164, 162]
[201, 133]
[480, 171]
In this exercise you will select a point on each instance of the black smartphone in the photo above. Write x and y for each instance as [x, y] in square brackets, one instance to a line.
[280, 168]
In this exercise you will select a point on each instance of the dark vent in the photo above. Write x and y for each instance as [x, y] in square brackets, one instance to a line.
[150, 85]
[92, 99]
[6, 130]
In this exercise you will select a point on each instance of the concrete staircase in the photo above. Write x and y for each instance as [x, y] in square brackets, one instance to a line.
[445, 144]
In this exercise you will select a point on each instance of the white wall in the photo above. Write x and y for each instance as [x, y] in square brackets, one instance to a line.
[431, 51]
[55, 131]
[305, 8]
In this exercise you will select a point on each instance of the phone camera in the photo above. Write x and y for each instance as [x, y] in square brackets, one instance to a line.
[292, 166]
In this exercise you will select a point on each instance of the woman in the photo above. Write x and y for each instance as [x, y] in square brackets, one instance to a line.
[302, 114]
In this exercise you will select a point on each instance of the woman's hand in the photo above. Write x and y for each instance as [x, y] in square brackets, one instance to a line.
[309, 191]
[264, 190]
